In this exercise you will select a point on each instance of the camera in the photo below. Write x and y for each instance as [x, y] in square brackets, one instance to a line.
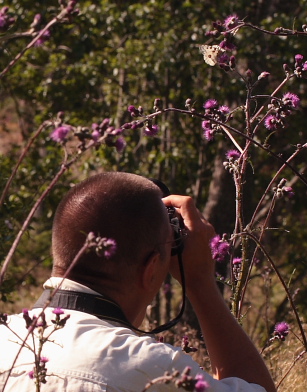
[175, 220]
[177, 226]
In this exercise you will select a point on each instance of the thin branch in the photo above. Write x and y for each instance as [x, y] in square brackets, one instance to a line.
[21, 158]
[55, 20]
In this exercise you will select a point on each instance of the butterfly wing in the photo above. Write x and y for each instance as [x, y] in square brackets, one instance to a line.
[211, 53]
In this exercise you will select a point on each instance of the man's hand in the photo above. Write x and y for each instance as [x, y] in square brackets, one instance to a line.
[196, 254]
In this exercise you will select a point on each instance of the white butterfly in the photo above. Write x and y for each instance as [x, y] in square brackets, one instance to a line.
[211, 53]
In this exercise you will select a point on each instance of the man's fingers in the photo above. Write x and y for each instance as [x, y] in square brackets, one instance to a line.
[186, 207]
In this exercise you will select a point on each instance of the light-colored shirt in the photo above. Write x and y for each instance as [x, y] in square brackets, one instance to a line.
[91, 355]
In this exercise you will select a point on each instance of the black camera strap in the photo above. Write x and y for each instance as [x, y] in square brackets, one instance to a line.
[100, 306]
[96, 305]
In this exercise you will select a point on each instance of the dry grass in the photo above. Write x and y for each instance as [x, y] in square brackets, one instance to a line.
[288, 364]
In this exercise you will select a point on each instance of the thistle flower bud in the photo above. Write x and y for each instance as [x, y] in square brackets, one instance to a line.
[232, 62]
[36, 21]
[249, 74]
[188, 103]
[133, 111]
[3, 318]
[158, 104]
[264, 75]
[59, 134]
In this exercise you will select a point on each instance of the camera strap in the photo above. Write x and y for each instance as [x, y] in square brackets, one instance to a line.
[96, 305]
[101, 306]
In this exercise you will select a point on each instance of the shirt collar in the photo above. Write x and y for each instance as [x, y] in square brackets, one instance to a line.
[67, 284]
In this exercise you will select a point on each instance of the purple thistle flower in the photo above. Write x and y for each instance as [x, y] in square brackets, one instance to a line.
[120, 144]
[31, 374]
[233, 154]
[109, 247]
[299, 59]
[58, 311]
[305, 66]
[224, 109]
[201, 384]
[151, 130]
[281, 330]
[270, 122]
[291, 99]
[206, 125]
[219, 248]
[237, 261]
[209, 135]
[215, 240]
[210, 104]
[231, 21]
[60, 133]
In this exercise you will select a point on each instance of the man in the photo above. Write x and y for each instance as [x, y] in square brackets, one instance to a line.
[89, 353]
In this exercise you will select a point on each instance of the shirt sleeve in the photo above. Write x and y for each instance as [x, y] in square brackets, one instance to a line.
[231, 384]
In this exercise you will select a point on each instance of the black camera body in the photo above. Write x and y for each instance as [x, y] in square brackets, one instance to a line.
[174, 219]
[177, 226]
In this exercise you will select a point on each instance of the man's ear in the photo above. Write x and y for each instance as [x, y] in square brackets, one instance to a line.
[150, 271]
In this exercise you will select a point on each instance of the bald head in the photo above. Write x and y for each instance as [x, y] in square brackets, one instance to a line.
[122, 206]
